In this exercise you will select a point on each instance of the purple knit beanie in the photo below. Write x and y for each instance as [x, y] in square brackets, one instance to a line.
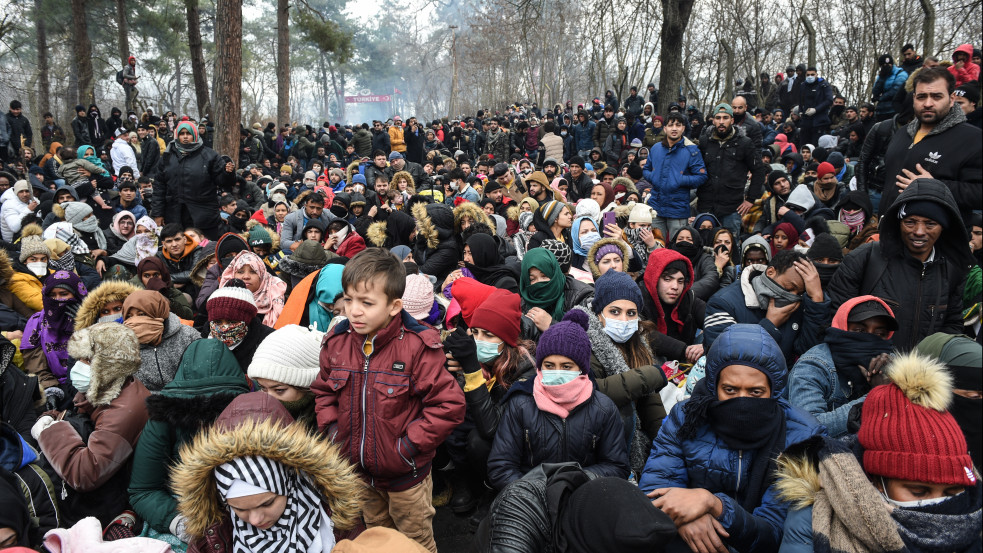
[567, 338]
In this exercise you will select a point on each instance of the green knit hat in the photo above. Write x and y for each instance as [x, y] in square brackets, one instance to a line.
[259, 236]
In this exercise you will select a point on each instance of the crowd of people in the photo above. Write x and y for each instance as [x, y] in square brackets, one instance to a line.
[598, 328]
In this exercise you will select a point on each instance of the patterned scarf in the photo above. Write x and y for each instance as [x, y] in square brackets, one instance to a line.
[303, 521]
[270, 294]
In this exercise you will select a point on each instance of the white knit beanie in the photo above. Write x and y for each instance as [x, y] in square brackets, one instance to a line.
[289, 355]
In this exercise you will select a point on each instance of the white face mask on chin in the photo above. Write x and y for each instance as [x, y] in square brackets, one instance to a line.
[911, 504]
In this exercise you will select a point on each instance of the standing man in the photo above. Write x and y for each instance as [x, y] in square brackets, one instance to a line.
[80, 127]
[910, 60]
[751, 127]
[729, 157]
[20, 127]
[890, 79]
[51, 132]
[187, 183]
[396, 140]
[674, 167]
[497, 142]
[130, 82]
[937, 144]
[815, 99]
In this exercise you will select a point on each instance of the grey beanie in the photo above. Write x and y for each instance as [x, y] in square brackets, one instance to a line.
[76, 211]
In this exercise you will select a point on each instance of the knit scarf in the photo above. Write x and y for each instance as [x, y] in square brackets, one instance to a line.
[852, 349]
[766, 288]
[855, 220]
[303, 521]
[51, 328]
[561, 399]
[230, 333]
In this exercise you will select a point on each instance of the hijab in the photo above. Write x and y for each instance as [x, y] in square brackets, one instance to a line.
[608, 193]
[157, 263]
[580, 247]
[545, 295]
[53, 326]
[488, 266]
[326, 289]
[789, 230]
[93, 158]
[149, 327]
[303, 526]
[270, 294]
[195, 144]
[146, 245]
[114, 227]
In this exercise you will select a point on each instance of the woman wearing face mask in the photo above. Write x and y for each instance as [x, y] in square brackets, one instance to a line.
[122, 229]
[559, 416]
[268, 290]
[25, 279]
[93, 466]
[45, 341]
[712, 464]
[688, 242]
[257, 482]
[584, 235]
[162, 337]
[907, 484]
[832, 377]
[623, 364]
[152, 274]
[104, 304]
[232, 319]
[492, 357]
[542, 286]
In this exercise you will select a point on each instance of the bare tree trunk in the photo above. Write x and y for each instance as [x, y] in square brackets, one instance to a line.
[811, 33]
[82, 48]
[228, 72]
[123, 30]
[197, 57]
[729, 82]
[928, 28]
[675, 18]
[282, 62]
[44, 85]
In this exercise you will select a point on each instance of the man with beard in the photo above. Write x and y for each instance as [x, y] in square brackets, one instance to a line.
[937, 144]
[497, 142]
[729, 156]
[751, 127]
[399, 163]
[551, 168]
[890, 78]
[788, 91]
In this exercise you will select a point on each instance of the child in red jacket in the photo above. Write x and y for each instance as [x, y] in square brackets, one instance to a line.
[384, 396]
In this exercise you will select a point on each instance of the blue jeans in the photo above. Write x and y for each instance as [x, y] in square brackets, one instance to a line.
[875, 198]
[668, 226]
[732, 222]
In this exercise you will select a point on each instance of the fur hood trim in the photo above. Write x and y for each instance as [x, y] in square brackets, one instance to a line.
[193, 479]
[923, 380]
[797, 474]
[512, 213]
[108, 291]
[473, 212]
[622, 246]
[425, 226]
[350, 170]
[114, 355]
[253, 223]
[411, 184]
[6, 268]
[299, 200]
[376, 233]
[189, 413]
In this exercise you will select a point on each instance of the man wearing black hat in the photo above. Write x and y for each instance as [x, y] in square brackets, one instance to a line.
[580, 183]
[890, 78]
[605, 126]
[966, 97]
[788, 91]
[917, 267]
[80, 127]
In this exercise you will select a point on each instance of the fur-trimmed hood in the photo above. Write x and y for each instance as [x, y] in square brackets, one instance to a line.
[351, 170]
[291, 445]
[6, 268]
[114, 355]
[411, 184]
[472, 212]
[253, 223]
[108, 291]
[376, 233]
[592, 265]
[434, 223]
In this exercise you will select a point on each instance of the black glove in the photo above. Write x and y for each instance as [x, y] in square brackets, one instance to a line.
[461, 346]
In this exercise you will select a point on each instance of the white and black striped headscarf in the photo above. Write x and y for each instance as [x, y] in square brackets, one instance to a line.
[303, 527]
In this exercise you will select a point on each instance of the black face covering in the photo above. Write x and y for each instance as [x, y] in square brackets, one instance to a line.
[836, 111]
[826, 272]
[339, 211]
[852, 349]
[238, 224]
[688, 249]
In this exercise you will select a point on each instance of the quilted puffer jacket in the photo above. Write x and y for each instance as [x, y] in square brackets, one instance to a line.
[705, 461]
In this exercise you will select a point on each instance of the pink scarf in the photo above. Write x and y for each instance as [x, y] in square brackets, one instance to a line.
[562, 399]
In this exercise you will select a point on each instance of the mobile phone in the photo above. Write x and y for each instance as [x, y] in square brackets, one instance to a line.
[608, 219]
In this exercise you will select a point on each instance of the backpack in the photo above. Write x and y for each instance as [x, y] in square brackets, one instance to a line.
[119, 76]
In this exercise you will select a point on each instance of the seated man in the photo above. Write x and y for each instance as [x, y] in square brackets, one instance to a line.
[713, 460]
[180, 254]
[786, 299]
[671, 305]
[291, 234]
[832, 377]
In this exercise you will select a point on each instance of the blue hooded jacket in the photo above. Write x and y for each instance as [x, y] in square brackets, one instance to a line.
[673, 172]
[705, 461]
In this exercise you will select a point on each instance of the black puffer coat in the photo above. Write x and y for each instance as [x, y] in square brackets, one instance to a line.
[191, 182]
[591, 435]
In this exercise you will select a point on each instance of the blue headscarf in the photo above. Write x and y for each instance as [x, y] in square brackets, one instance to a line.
[578, 247]
[326, 289]
[93, 159]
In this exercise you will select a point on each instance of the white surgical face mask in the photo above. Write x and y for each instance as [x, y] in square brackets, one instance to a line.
[620, 331]
[80, 375]
[39, 268]
[811, 79]
[911, 504]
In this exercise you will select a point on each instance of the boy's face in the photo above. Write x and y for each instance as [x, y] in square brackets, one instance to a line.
[368, 308]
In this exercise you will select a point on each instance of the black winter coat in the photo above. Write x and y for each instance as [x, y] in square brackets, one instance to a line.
[150, 156]
[18, 393]
[191, 182]
[592, 435]
[728, 164]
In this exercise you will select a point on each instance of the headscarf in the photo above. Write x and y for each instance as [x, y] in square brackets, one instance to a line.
[326, 289]
[196, 143]
[146, 246]
[93, 159]
[270, 294]
[555, 186]
[53, 326]
[302, 523]
[789, 230]
[149, 223]
[488, 266]
[114, 227]
[154, 263]
[63, 230]
[608, 193]
[149, 328]
[545, 295]
[581, 248]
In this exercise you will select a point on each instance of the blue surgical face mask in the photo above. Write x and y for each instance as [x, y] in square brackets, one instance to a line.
[588, 240]
[558, 377]
[620, 331]
[81, 375]
[487, 351]
[113, 318]
[811, 79]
